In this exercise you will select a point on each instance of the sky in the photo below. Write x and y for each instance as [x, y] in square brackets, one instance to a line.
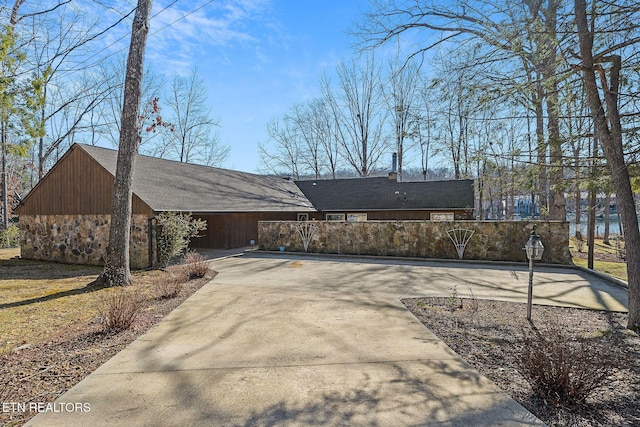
[256, 57]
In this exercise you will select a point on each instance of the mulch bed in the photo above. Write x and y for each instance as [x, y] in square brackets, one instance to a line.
[489, 335]
[42, 372]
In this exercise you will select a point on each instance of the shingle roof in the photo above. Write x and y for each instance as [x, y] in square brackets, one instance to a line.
[361, 194]
[167, 185]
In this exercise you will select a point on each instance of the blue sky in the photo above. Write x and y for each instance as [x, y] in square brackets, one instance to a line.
[257, 58]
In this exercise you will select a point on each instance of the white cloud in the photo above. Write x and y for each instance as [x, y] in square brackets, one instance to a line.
[182, 32]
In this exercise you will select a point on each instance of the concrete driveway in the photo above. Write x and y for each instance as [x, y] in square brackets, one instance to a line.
[288, 340]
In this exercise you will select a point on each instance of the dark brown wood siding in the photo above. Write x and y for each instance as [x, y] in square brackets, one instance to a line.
[235, 230]
[76, 185]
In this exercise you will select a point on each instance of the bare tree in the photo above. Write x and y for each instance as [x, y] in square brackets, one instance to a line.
[303, 142]
[458, 102]
[194, 138]
[105, 124]
[357, 109]
[67, 93]
[423, 124]
[301, 119]
[606, 66]
[117, 268]
[401, 96]
[577, 125]
[323, 130]
[285, 156]
[502, 27]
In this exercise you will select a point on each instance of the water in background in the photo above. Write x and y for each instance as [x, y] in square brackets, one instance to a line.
[614, 226]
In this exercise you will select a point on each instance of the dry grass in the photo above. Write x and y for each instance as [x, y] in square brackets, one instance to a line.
[51, 329]
[39, 300]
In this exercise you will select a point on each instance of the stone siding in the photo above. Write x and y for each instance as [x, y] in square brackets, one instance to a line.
[492, 241]
[79, 239]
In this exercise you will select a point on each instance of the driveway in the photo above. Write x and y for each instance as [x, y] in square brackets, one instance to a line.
[289, 340]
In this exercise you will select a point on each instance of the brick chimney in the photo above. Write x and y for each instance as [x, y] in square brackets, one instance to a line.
[394, 167]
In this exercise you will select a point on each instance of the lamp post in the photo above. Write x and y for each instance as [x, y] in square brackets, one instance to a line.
[534, 249]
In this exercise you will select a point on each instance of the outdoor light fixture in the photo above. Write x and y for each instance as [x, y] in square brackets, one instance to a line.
[534, 249]
[534, 246]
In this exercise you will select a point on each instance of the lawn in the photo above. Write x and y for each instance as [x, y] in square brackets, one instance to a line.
[606, 259]
[612, 268]
[51, 332]
[41, 299]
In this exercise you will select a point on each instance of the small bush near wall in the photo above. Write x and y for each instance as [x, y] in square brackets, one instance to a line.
[491, 241]
[177, 230]
[10, 237]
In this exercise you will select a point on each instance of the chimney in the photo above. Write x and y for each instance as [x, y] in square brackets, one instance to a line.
[394, 167]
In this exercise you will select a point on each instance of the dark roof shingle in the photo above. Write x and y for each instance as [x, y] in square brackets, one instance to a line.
[361, 194]
[167, 185]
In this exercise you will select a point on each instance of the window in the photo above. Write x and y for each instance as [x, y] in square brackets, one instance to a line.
[303, 217]
[442, 216]
[335, 217]
[356, 217]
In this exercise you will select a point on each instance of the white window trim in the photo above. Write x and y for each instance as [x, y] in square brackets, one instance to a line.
[357, 217]
[442, 216]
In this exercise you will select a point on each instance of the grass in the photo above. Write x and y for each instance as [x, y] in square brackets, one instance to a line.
[612, 268]
[605, 259]
[41, 299]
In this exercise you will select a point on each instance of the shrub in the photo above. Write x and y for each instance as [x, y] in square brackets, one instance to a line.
[565, 372]
[454, 302]
[176, 231]
[169, 285]
[119, 308]
[10, 236]
[194, 265]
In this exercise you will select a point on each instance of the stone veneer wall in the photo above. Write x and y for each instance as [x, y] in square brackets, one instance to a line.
[79, 239]
[494, 241]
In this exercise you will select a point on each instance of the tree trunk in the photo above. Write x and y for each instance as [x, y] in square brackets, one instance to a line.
[609, 132]
[591, 228]
[578, 219]
[541, 149]
[116, 270]
[4, 131]
[5, 192]
[607, 218]
[557, 208]
[591, 216]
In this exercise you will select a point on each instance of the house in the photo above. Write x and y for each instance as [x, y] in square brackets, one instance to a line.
[66, 216]
[381, 198]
